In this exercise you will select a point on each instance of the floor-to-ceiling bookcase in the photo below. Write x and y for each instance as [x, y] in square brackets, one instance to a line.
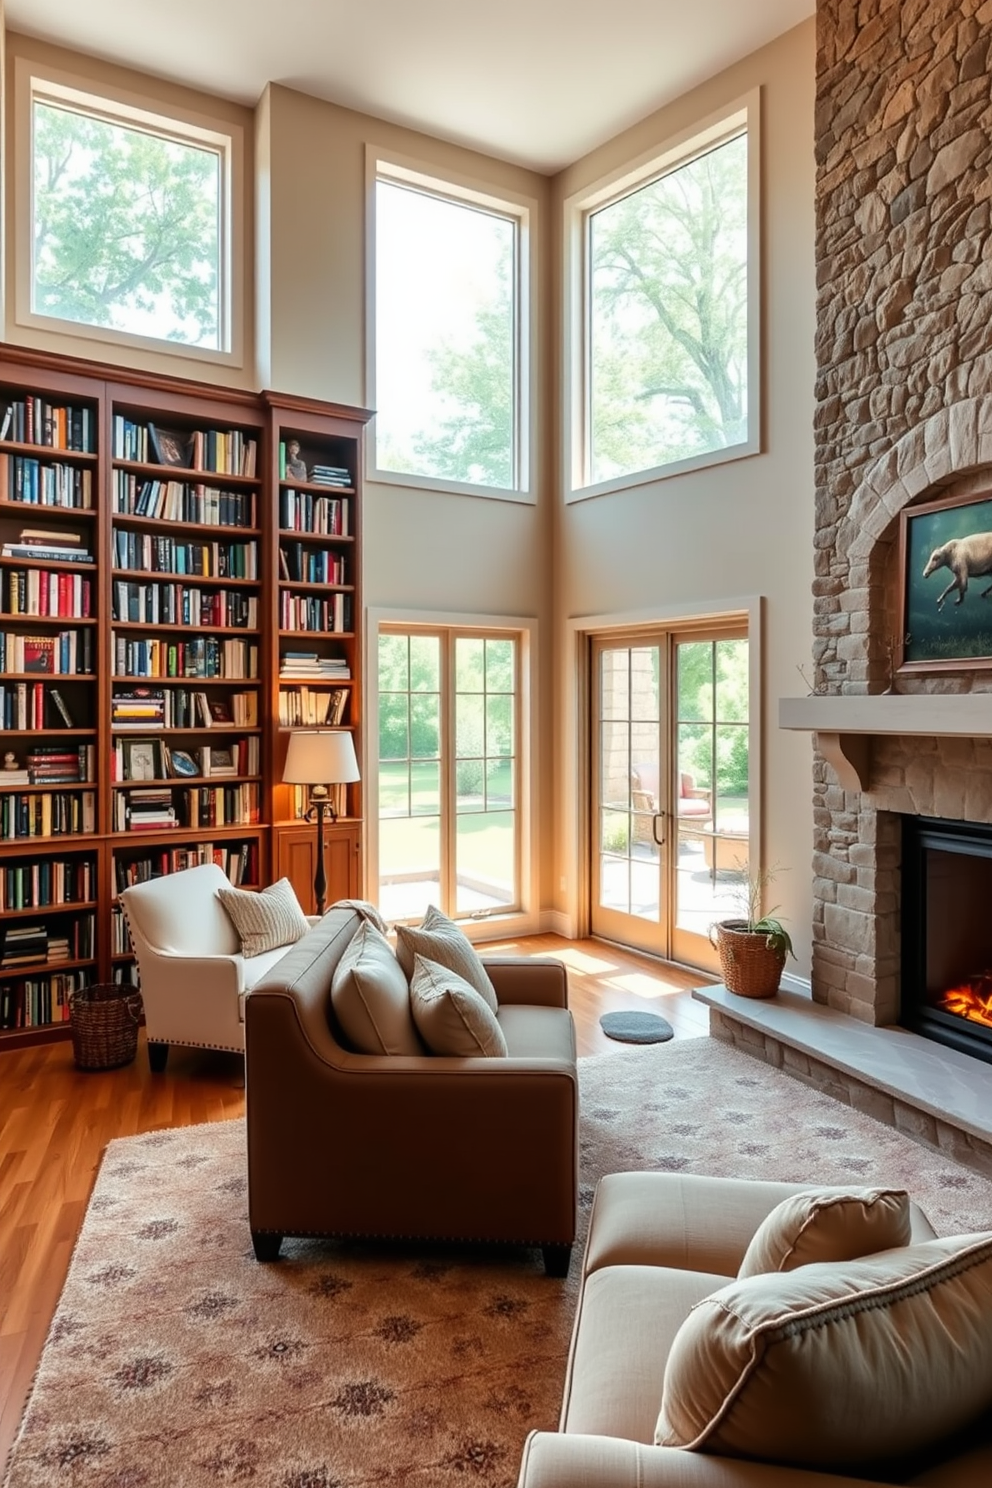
[180, 586]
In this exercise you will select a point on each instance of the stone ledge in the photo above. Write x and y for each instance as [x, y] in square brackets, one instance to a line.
[936, 1095]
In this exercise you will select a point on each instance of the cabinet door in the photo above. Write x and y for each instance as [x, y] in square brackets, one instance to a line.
[296, 859]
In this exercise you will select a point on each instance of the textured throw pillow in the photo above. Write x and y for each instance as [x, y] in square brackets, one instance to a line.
[835, 1365]
[450, 1015]
[439, 939]
[828, 1224]
[371, 999]
[267, 920]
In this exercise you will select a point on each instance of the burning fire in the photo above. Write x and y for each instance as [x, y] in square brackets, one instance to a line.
[972, 1000]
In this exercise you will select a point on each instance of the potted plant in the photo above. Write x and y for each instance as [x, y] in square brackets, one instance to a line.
[753, 947]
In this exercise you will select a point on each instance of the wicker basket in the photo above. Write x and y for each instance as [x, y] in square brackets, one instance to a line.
[104, 1021]
[750, 966]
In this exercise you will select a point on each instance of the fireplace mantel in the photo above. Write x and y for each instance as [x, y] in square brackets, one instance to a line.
[845, 724]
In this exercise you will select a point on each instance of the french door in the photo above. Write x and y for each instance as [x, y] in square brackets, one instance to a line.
[670, 822]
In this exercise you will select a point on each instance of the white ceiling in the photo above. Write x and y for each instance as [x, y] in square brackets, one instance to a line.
[539, 82]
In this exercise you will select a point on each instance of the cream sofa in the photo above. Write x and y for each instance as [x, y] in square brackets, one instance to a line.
[658, 1244]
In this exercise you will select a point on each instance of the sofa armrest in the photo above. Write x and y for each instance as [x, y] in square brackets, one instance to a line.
[528, 981]
[552, 1460]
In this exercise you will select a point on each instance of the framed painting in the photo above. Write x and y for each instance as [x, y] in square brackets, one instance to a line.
[945, 570]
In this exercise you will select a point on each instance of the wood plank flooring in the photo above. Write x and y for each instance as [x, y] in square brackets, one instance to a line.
[55, 1122]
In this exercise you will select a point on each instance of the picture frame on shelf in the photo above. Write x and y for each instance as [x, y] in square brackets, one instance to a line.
[181, 762]
[220, 710]
[141, 760]
[945, 576]
[169, 446]
[222, 762]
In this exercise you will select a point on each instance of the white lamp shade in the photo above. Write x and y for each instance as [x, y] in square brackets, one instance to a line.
[320, 757]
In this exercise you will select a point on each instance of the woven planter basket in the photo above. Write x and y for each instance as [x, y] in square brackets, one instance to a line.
[104, 1022]
[750, 966]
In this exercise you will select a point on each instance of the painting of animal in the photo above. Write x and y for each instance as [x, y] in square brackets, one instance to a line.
[966, 557]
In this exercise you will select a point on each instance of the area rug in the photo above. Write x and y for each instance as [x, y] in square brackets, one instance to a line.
[175, 1359]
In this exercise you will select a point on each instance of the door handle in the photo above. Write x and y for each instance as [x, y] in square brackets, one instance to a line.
[658, 817]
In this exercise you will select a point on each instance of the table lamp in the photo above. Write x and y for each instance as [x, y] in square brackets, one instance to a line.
[319, 758]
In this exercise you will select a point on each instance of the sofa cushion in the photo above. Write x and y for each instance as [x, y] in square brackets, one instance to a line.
[828, 1224]
[451, 1017]
[836, 1365]
[371, 999]
[628, 1317]
[440, 940]
[267, 920]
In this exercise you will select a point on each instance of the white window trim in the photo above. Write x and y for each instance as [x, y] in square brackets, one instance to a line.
[466, 191]
[526, 920]
[742, 116]
[31, 82]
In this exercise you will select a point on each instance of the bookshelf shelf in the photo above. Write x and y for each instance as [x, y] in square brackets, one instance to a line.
[114, 498]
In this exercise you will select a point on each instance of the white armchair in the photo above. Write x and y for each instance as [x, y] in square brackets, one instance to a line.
[191, 972]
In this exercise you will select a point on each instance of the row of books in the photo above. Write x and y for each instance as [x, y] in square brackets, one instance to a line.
[44, 591]
[34, 420]
[180, 501]
[66, 653]
[184, 604]
[32, 705]
[312, 665]
[309, 612]
[70, 939]
[152, 759]
[299, 707]
[46, 814]
[181, 707]
[162, 808]
[203, 656]
[40, 483]
[54, 764]
[239, 860]
[154, 554]
[221, 451]
[30, 1002]
[310, 565]
[47, 884]
[303, 511]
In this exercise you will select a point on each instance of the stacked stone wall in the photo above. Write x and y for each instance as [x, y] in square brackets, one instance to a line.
[903, 414]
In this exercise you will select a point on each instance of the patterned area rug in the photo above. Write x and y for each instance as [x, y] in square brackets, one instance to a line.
[175, 1359]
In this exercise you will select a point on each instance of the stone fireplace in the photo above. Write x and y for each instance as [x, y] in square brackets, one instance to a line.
[903, 416]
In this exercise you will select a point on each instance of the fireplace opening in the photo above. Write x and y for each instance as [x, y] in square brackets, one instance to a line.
[947, 932]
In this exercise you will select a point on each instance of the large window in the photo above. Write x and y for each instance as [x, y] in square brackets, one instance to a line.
[449, 819]
[666, 367]
[448, 344]
[130, 223]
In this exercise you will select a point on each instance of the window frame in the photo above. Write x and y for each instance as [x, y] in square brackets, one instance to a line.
[521, 210]
[739, 118]
[105, 101]
[523, 919]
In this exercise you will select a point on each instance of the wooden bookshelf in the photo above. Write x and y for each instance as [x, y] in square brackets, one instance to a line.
[193, 591]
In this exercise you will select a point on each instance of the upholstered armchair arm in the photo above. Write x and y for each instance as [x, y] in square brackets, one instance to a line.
[534, 981]
[551, 1460]
[191, 999]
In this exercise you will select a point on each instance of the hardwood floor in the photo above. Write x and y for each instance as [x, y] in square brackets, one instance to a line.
[55, 1122]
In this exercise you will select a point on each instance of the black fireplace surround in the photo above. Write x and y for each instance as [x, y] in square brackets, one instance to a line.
[947, 932]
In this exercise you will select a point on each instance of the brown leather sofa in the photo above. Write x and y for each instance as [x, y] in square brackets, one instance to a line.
[412, 1147]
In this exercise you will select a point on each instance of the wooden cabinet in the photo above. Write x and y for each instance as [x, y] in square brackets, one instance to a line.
[296, 859]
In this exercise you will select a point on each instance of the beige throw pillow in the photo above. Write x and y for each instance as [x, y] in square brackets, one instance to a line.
[835, 1365]
[828, 1224]
[371, 999]
[439, 939]
[267, 920]
[450, 1015]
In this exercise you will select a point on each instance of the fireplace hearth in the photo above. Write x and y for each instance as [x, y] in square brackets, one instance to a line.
[947, 932]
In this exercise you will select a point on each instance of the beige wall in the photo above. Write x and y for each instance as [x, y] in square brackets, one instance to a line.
[738, 529]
